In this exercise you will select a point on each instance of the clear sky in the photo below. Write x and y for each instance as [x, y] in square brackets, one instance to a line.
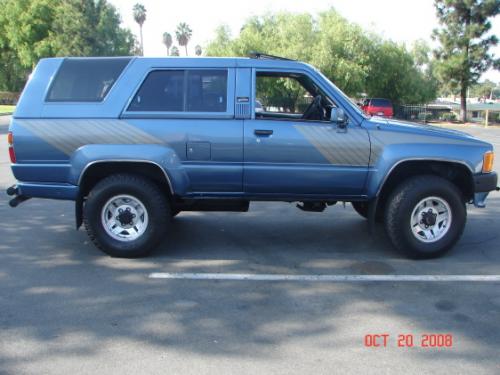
[399, 20]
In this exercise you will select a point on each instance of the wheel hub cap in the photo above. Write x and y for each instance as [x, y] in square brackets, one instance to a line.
[431, 219]
[124, 218]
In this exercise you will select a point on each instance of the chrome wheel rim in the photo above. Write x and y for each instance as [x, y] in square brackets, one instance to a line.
[431, 219]
[124, 218]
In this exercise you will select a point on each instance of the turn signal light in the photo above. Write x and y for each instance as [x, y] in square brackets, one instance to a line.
[12, 154]
[488, 161]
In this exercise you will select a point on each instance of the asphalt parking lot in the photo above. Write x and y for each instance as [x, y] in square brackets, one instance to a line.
[67, 308]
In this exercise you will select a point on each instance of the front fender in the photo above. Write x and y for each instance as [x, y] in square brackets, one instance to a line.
[160, 155]
[393, 155]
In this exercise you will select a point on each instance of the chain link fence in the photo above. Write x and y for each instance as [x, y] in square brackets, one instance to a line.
[424, 113]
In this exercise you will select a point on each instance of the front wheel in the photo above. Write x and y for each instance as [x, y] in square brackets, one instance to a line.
[126, 215]
[425, 216]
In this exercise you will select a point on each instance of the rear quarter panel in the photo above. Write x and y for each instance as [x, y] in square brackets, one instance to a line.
[55, 141]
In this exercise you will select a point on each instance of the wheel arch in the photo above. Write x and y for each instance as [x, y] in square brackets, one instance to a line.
[456, 172]
[96, 170]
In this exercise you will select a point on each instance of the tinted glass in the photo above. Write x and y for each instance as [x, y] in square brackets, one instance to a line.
[163, 90]
[182, 91]
[206, 91]
[85, 80]
[381, 103]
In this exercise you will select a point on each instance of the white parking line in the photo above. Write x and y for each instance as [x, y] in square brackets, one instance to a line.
[321, 278]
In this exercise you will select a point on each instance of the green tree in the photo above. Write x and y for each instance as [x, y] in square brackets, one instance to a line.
[486, 89]
[33, 29]
[71, 34]
[357, 61]
[174, 51]
[27, 27]
[465, 43]
[183, 35]
[139, 12]
[222, 44]
[167, 40]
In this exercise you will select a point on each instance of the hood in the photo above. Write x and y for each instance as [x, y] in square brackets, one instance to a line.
[423, 129]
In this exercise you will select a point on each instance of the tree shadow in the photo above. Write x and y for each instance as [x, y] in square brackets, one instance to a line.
[61, 297]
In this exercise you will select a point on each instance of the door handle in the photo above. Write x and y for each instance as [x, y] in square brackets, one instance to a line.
[263, 132]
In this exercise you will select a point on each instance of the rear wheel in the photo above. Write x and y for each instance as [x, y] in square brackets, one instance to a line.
[126, 215]
[425, 216]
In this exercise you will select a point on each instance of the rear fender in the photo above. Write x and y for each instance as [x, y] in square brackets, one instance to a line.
[159, 155]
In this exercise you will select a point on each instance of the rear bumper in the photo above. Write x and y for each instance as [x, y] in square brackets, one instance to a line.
[44, 190]
[483, 184]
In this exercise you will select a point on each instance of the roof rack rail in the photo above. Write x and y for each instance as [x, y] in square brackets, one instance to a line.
[265, 56]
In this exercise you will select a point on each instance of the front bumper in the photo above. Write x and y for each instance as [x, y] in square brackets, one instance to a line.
[483, 184]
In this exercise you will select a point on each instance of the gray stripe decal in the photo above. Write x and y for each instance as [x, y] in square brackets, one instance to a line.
[310, 136]
[350, 148]
[69, 134]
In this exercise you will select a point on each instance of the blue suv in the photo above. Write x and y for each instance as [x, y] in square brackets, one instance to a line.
[135, 141]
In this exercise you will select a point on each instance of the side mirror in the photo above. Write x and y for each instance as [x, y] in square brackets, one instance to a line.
[338, 116]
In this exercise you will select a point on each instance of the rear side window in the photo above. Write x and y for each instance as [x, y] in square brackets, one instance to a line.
[85, 80]
[380, 103]
[182, 91]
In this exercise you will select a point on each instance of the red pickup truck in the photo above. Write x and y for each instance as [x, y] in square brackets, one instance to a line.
[378, 107]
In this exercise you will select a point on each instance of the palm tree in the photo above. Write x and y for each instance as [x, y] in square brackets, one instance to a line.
[174, 51]
[139, 17]
[167, 40]
[183, 34]
[197, 50]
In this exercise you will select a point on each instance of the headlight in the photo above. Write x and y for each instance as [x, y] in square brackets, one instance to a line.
[488, 161]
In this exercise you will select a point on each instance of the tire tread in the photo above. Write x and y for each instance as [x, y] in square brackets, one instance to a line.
[150, 189]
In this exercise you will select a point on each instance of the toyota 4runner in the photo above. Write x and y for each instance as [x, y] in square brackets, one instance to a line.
[135, 141]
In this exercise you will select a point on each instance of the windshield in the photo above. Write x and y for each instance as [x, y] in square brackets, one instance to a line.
[349, 102]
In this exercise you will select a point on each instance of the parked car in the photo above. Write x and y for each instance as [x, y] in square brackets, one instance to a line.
[378, 107]
[135, 141]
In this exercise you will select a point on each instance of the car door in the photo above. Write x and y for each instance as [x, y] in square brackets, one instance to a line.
[285, 154]
[192, 111]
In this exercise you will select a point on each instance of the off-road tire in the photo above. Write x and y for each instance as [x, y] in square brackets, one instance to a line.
[401, 204]
[154, 200]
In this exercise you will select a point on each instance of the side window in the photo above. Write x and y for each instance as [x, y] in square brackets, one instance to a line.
[281, 94]
[182, 91]
[290, 96]
[163, 90]
[85, 79]
[206, 91]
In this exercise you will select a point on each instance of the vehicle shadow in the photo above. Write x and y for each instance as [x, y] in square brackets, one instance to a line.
[61, 297]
